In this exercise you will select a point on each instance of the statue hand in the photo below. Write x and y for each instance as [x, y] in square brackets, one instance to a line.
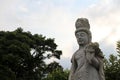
[89, 56]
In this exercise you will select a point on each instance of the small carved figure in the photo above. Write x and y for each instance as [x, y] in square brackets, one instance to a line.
[87, 61]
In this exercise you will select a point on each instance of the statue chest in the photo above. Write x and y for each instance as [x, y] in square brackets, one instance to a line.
[80, 57]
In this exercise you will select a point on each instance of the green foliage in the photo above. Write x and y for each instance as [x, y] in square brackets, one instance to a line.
[112, 66]
[6, 73]
[52, 66]
[58, 74]
[23, 54]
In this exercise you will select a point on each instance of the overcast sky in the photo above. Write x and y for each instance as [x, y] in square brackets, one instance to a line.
[56, 19]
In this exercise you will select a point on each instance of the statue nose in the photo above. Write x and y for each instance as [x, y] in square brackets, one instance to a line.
[80, 39]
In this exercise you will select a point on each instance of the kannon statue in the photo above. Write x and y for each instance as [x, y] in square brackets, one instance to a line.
[87, 61]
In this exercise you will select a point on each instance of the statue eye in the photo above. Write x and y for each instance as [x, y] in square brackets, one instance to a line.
[77, 35]
[82, 34]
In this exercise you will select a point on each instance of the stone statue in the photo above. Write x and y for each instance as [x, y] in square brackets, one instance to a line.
[87, 61]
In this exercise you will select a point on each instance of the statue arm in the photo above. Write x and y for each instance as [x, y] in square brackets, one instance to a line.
[95, 63]
[92, 58]
[73, 68]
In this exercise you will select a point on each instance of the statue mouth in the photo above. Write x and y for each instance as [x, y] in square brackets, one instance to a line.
[81, 40]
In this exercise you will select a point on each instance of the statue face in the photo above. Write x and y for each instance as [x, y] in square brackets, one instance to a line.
[82, 38]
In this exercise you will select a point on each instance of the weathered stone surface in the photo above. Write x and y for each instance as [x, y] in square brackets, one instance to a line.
[87, 61]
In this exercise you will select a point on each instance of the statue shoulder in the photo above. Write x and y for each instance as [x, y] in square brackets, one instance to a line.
[75, 53]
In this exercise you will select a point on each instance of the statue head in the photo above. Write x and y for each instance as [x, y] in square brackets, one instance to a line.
[82, 32]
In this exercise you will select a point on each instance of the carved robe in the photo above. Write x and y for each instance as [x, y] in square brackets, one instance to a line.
[82, 69]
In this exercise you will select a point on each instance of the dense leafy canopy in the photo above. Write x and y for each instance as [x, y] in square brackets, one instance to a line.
[23, 55]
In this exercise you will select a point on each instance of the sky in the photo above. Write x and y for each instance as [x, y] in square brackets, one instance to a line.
[56, 19]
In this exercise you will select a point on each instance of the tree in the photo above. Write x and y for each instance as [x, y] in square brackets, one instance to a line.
[53, 66]
[23, 54]
[6, 73]
[112, 65]
[58, 74]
